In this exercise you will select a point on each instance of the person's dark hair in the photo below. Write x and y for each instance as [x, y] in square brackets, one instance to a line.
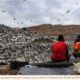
[60, 38]
[77, 39]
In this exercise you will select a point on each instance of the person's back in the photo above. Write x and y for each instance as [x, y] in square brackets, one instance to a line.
[77, 47]
[59, 51]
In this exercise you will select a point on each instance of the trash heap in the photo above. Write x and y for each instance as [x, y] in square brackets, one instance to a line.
[19, 43]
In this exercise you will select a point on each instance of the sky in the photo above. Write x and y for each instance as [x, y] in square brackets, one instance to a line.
[25, 13]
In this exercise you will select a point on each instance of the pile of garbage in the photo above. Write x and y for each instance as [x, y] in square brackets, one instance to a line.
[16, 43]
[20, 43]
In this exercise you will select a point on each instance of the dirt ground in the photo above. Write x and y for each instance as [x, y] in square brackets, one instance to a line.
[5, 70]
[11, 72]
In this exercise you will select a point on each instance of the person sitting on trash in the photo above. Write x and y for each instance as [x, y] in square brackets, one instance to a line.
[76, 47]
[59, 50]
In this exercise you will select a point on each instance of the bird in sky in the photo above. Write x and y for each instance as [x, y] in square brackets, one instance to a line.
[67, 11]
[59, 20]
[31, 20]
[21, 22]
[14, 18]
[24, 0]
[3, 11]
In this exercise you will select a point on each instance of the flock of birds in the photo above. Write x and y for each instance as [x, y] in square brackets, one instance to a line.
[31, 19]
[14, 18]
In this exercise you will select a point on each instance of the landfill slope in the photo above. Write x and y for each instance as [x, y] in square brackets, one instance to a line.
[33, 43]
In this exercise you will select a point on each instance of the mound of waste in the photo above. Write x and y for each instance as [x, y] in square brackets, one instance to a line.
[18, 42]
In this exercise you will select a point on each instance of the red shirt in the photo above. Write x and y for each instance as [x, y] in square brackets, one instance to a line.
[59, 50]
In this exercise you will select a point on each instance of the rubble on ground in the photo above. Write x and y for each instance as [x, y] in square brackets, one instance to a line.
[18, 42]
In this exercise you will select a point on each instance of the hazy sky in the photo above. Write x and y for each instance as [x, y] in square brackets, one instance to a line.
[19, 13]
